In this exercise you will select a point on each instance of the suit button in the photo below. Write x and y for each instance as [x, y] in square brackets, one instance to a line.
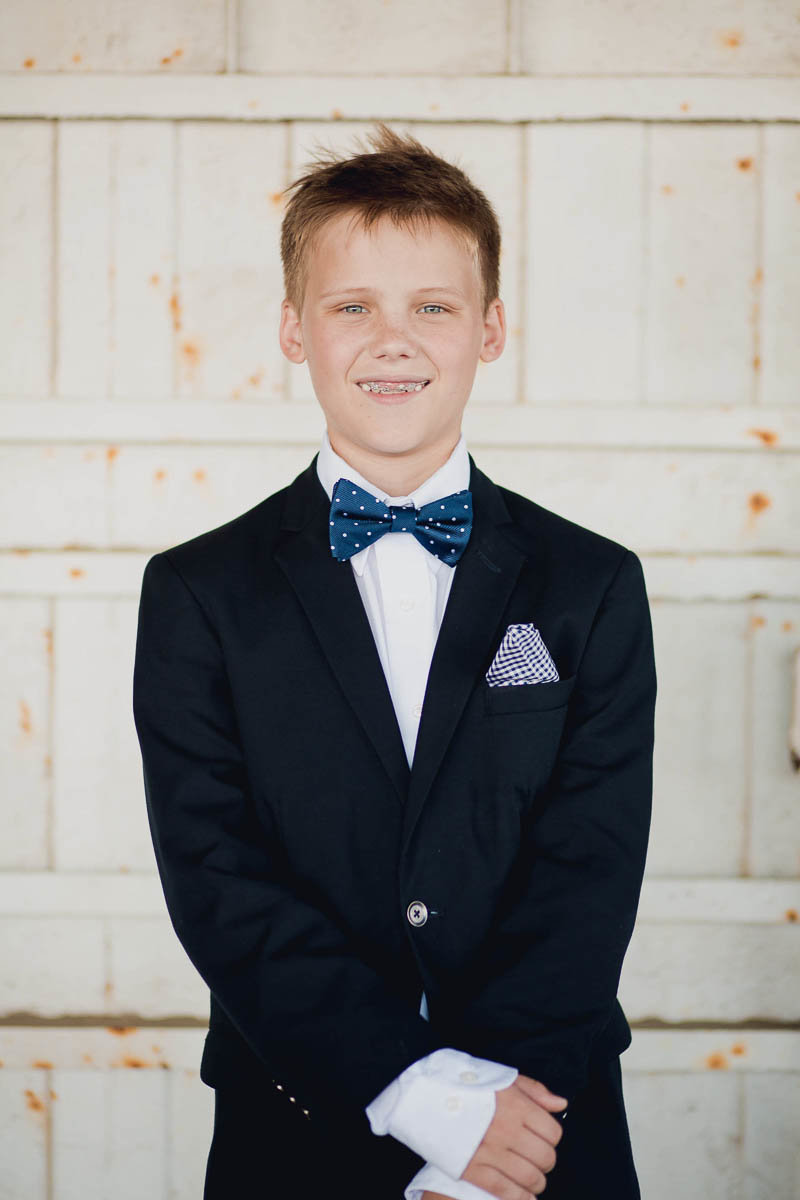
[417, 912]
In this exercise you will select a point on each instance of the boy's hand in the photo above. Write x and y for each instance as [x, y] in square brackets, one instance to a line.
[518, 1148]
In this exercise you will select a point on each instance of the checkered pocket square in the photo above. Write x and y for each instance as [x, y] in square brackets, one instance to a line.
[522, 657]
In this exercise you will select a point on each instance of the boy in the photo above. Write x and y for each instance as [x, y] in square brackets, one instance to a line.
[397, 724]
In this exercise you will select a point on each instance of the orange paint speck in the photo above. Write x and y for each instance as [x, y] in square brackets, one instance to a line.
[43, 1064]
[29, 62]
[24, 717]
[199, 475]
[53, 1095]
[33, 1101]
[336, 114]
[792, 915]
[758, 501]
[121, 1030]
[684, 106]
[111, 453]
[23, 550]
[130, 1061]
[76, 58]
[175, 309]
[87, 1058]
[757, 622]
[667, 189]
[756, 361]
[731, 38]
[744, 164]
[787, 626]
[76, 572]
[717, 1062]
[159, 475]
[155, 279]
[768, 436]
[48, 642]
[681, 280]
[739, 1049]
[191, 352]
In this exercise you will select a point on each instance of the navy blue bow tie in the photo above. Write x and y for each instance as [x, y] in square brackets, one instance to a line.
[358, 519]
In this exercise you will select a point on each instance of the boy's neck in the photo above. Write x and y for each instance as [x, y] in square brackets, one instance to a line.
[395, 475]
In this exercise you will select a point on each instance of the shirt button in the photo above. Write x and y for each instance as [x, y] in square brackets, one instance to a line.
[453, 1103]
[406, 604]
[417, 912]
[468, 1076]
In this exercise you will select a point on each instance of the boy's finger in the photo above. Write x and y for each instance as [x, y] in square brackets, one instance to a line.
[538, 1092]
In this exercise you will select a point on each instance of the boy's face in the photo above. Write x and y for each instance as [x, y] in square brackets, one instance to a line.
[391, 305]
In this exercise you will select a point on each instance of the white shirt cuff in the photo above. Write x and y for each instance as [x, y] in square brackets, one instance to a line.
[441, 1106]
[430, 1179]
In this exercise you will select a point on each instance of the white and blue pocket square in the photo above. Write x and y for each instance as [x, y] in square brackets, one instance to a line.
[522, 657]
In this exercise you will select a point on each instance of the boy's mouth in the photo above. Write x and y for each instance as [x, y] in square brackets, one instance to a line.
[392, 387]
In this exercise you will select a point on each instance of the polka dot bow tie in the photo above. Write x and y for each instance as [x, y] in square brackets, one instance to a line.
[358, 519]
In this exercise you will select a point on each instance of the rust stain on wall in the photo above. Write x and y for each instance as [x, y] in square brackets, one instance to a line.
[170, 58]
[175, 309]
[667, 189]
[792, 915]
[28, 63]
[757, 621]
[739, 1049]
[155, 279]
[744, 164]
[43, 1064]
[731, 39]
[199, 475]
[159, 475]
[716, 1062]
[121, 1030]
[25, 723]
[111, 453]
[787, 626]
[768, 436]
[76, 572]
[758, 501]
[33, 1102]
[48, 642]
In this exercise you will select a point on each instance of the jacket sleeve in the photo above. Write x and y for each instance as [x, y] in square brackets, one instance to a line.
[549, 972]
[286, 973]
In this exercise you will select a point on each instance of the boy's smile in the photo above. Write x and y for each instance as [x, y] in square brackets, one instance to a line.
[392, 329]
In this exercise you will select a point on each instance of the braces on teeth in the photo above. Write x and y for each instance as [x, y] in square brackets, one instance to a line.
[402, 387]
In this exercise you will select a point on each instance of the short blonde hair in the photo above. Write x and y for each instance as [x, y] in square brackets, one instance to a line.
[402, 180]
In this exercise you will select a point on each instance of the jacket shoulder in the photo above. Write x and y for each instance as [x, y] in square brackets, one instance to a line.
[574, 548]
[222, 553]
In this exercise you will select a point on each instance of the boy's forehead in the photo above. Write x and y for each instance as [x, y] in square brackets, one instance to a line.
[345, 237]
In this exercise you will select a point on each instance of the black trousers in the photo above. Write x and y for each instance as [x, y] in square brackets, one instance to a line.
[264, 1148]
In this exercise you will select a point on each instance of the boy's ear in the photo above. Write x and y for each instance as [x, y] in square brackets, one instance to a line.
[494, 332]
[290, 333]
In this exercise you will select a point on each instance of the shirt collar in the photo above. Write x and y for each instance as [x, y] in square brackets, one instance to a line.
[451, 476]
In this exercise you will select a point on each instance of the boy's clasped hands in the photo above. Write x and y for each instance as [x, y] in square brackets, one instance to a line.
[518, 1148]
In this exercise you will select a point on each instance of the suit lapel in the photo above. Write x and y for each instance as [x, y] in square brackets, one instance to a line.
[332, 602]
[484, 581]
[483, 584]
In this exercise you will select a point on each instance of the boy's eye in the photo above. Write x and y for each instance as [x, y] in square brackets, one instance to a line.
[348, 306]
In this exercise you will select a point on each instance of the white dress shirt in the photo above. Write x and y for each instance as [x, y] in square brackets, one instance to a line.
[441, 1105]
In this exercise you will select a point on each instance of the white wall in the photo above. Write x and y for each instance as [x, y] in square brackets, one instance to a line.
[644, 160]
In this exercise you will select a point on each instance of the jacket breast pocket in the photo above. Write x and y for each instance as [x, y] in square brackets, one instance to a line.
[527, 697]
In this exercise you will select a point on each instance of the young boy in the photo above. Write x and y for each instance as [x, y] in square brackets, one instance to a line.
[397, 725]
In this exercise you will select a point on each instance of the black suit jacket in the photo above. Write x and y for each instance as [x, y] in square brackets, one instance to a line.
[291, 836]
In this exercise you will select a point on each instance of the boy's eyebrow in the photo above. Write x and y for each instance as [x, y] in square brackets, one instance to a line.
[340, 291]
